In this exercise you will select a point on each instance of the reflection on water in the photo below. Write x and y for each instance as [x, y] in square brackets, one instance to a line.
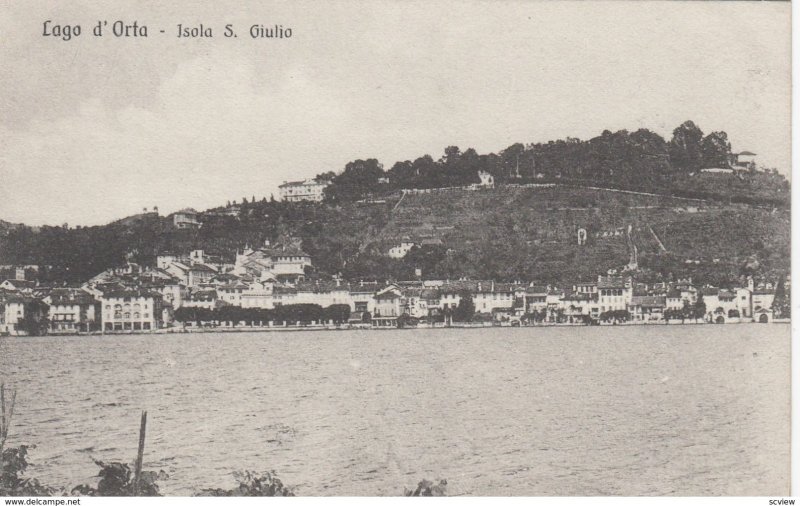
[688, 410]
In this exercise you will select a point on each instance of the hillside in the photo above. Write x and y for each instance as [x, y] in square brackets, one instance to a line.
[506, 233]
[687, 206]
[532, 233]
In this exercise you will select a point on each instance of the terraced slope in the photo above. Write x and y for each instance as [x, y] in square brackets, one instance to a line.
[533, 232]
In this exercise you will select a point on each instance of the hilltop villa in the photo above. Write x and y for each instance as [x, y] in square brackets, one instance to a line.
[309, 190]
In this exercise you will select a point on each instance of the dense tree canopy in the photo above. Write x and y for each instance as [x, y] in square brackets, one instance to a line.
[686, 147]
[716, 150]
[639, 160]
[359, 179]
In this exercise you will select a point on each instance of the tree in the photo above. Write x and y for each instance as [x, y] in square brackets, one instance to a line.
[781, 306]
[299, 313]
[402, 174]
[716, 150]
[466, 308]
[405, 320]
[34, 322]
[32, 326]
[686, 310]
[325, 176]
[359, 179]
[447, 315]
[619, 315]
[513, 158]
[451, 155]
[426, 172]
[686, 147]
[699, 308]
[338, 313]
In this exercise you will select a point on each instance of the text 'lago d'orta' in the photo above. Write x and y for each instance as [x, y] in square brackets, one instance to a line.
[122, 29]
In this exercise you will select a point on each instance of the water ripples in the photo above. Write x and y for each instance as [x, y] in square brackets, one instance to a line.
[694, 410]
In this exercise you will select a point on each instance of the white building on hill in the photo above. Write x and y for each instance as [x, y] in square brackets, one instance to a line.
[487, 180]
[309, 190]
[402, 249]
[186, 218]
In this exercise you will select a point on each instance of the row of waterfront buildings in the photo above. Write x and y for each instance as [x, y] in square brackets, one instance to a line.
[135, 298]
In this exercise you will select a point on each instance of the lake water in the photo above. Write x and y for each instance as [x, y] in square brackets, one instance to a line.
[637, 410]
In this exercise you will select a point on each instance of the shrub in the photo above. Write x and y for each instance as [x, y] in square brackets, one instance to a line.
[427, 488]
[116, 480]
[405, 321]
[616, 315]
[13, 463]
[253, 484]
[339, 313]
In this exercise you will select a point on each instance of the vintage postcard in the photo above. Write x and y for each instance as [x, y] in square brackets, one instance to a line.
[387, 248]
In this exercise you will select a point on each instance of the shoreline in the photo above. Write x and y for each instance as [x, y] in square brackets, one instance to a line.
[336, 328]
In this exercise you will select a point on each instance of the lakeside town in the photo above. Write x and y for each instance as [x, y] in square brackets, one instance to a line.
[279, 285]
[274, 286]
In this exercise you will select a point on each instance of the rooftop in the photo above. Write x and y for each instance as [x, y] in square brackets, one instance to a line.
[580, 296]
[202, 268]
[21, 283]
[307, 182]
[62, 296]
[648, 300]
[130, 293]
[611, 282]
[537, 290]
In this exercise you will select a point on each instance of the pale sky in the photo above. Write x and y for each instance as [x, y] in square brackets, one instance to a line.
[94, 129]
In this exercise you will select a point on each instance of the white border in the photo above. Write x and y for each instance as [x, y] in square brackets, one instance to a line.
[609, 501]
[795, 251]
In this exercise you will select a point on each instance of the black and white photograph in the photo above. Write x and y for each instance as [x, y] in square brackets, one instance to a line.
[395, 248]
